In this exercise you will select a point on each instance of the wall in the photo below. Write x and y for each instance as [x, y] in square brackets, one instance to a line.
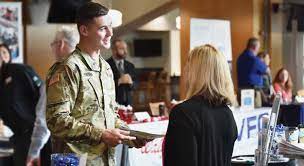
[166, 22]
[239, 12]
[150, 62]
[175, 64]
[276, 51]
[293, 58]
[133, 9]
[39, 54]
[170, 59]
[257, 17]
[39, 35]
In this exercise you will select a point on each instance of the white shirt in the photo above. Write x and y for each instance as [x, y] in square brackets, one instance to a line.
[117, 63]
[40, 133]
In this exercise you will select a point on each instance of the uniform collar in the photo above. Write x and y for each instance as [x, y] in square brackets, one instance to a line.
[91, 63]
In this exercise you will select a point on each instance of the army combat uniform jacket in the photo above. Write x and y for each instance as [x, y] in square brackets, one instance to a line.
[81, 105]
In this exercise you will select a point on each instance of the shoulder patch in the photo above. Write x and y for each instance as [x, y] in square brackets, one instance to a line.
[54, 79]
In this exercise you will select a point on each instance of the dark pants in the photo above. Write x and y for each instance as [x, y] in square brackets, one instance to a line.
[45, 154]
[21, 146]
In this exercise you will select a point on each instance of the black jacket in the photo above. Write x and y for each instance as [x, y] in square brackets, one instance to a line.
[199, 135]
[19, 94]
[123, 91]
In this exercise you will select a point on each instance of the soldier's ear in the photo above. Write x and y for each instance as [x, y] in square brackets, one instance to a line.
[83, 30]
[61, 44]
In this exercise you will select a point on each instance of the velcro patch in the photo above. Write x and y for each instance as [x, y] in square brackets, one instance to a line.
[88, 74]
[54, 79]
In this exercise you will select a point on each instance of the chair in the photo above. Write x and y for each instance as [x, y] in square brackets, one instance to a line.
[300, 92]
[154, 108]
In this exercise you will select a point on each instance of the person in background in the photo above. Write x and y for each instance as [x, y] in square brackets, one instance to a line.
[5, 53]
[123, 71]
[202, 129]
[19, 95]
[250, 69]
[267, 88]
[63, 44]
[283, 83]
[124, 75]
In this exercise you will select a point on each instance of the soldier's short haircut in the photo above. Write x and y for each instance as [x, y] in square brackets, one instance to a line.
[70, 35]
[88, 11]
[252, 42]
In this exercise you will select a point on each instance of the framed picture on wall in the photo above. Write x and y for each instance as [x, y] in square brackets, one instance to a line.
[11, 31]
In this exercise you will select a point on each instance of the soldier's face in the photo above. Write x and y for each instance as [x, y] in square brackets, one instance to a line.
[100, 32]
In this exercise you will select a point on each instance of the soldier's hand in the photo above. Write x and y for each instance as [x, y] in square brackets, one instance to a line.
[114, 137]
[141, 142]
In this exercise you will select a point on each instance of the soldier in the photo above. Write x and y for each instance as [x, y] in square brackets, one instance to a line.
[63, 44]
[81, 94]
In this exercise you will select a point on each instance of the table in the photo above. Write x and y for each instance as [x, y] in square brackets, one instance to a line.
[151, 154]
[248, 124]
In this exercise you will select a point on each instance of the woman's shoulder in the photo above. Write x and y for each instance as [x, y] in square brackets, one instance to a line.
[189, 103]
[191, 107]
[184, 114]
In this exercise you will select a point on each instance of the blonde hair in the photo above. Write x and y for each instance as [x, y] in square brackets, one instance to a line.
[207, 74]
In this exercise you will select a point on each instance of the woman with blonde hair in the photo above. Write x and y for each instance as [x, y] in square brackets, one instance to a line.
[202, 129]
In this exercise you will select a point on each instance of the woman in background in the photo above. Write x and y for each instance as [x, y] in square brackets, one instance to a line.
[282, 83]
[202, 129]
[5, 53]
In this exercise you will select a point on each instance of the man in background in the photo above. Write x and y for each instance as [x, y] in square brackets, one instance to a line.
[123, 71]
[63, 44]
[250, 69]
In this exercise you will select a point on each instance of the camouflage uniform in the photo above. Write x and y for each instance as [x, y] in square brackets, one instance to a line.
[51, 72]
[80, 106]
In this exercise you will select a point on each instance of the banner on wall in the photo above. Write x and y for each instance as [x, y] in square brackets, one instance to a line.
[248, 123]
[11, 32]
[214, 32]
